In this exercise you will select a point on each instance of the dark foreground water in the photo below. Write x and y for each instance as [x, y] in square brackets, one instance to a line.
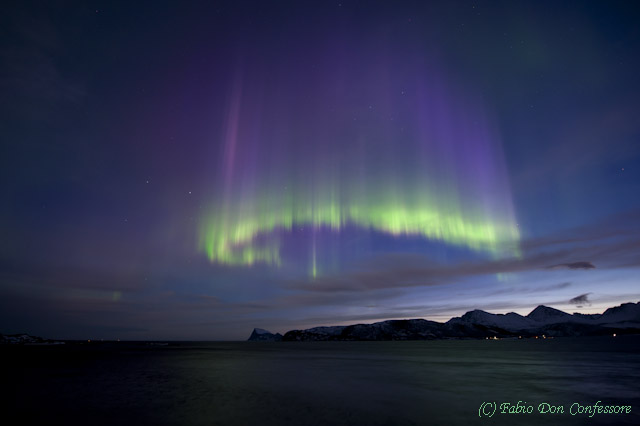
[322, 383]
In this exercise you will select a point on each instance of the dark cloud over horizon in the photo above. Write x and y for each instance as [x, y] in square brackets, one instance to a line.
[573, 265]
[581, 300]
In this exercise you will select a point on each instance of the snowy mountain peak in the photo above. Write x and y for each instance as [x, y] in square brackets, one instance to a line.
[545, 314]
[476, 315]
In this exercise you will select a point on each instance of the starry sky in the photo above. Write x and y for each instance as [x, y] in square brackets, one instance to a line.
[192, 170]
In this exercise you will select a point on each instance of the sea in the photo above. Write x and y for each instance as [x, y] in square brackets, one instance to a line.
[445, 382]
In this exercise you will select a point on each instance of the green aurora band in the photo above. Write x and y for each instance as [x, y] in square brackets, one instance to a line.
[299, 154]
[233, 236]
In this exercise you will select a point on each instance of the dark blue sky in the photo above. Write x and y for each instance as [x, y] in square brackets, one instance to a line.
[191, 170]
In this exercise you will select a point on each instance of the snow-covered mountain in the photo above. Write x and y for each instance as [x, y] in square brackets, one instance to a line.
[624, 316]
[627, 312]
[26, 339]
[544, 315]
[510, 321]
[543, 320]
[262, 335]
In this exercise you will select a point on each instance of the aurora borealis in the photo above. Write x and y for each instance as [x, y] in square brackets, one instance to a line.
[384, 151]
[193, 170]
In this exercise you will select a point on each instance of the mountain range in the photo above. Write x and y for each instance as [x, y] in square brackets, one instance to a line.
[543, 321]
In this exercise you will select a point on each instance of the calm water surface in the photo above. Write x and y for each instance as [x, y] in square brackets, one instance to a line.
[321, 383]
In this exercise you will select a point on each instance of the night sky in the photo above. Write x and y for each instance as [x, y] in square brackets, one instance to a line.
[191, 170]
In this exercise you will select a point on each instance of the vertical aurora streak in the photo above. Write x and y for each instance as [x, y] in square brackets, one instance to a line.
[354, 141]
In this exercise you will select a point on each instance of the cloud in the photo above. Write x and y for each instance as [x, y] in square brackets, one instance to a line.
[520, 290]
[410, 270]
[581, 300]
[612, 243]
[574, 265]
[56, 278]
